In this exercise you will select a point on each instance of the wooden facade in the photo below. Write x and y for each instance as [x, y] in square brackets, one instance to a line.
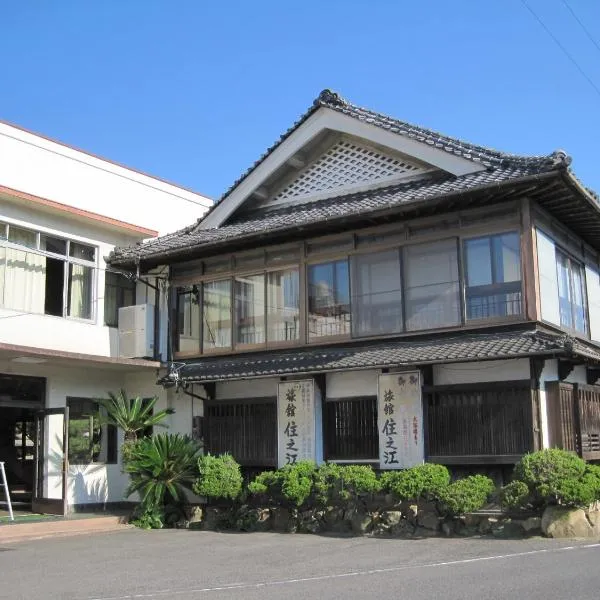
[574, 418]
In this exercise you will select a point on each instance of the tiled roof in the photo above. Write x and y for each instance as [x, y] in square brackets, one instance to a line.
[443, 349]
[501, 167]
[291, 217]
[480, 154]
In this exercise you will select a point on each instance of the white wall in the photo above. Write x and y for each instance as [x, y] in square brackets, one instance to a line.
[59, 333]
[351, 384]
[475, 372]
[254, 388]
[56, 172]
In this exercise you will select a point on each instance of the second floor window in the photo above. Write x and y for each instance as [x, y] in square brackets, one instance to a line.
[328, 299]
[118, 292]
[571, 297]
[493, 276]
[44, 274]
[216, 314]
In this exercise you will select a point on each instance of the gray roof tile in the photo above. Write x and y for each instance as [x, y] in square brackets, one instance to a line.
[441, 349]
[501, 167]
[291, 217]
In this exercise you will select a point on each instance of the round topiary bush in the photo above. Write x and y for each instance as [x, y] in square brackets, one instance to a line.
[334, 484]
[291, 485]
[466, 495]
[514, 495]
[554, 476]
[220, 477]
[423, 481]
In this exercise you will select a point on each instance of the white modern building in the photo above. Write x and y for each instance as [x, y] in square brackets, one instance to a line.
[62, 211]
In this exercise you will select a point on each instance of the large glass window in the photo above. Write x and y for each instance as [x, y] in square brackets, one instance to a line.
[90, 441]
[119, 291]
[250, 309]
[328, 299]
[188, 319]
[431, 285]
[571, 297]
[493, 276]
[216, 314]
[40, 273]
[376, 293]
[283, 306]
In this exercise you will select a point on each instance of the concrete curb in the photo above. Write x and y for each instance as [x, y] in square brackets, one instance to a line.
[21, 532]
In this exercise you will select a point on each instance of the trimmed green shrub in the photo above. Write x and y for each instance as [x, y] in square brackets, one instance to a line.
[426, 481]
[297, 482]
[220, 477]
[514, 495]
[335, 483]
[545, 473]
[556, 476]
[264, 483]
[466, 495]
[291, 485]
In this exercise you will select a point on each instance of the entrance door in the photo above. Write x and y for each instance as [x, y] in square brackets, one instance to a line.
[51, 454]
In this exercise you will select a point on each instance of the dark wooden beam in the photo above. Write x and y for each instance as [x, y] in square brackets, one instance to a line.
[593, 375]
[564, 368]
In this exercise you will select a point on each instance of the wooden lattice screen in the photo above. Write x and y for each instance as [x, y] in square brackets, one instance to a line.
[247, 430]
[574, 418]
[351, 429]
[479, 423]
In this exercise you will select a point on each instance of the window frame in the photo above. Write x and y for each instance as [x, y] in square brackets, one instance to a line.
[324, 261]
[65, 258]
[494, 287]
[571, 260]
[108, 431]
[119, 289]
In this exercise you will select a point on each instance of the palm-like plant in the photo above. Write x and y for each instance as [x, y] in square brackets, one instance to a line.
[161, 468]
[132, 415]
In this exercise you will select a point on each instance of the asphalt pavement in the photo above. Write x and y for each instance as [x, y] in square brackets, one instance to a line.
[193, 565]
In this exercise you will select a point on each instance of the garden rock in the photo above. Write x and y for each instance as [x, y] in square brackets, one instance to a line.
[429, 520]
[509, 530]
[195, 514]
[560, 522]
[447, 529]
[532, 525]
[391, 517]
[212, 518]
[285, 520]
[487, 524]
[361, 522]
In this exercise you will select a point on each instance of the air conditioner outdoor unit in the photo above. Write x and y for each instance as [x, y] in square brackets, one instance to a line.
[136, 331]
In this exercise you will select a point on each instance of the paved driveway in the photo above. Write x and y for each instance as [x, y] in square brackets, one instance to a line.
[186, 565]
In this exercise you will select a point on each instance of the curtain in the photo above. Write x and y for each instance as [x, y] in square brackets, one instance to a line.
[24, 281]
[80, 291]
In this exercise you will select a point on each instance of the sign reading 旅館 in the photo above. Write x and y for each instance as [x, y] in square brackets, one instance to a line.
[400, 420]
[296, 422]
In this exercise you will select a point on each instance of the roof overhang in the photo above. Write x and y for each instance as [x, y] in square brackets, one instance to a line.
[442, 349]
[29, 355]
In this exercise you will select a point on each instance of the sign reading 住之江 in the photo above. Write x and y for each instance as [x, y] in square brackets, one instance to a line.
[296, 422]
[400, 420]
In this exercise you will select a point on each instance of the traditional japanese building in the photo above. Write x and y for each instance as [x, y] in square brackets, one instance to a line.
[370, 291]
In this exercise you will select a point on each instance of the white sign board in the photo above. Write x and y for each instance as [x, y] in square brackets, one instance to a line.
[296, 422]
[400, 420]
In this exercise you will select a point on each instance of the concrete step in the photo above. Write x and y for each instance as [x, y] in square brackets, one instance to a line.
[18, 532]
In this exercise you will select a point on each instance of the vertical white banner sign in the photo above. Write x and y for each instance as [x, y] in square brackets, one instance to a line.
[296, 422]
[400, 420]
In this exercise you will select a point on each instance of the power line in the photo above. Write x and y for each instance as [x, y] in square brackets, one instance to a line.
[559, 44]
[585, 29]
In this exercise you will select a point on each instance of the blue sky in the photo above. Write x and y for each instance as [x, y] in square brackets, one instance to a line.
[195, 91]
